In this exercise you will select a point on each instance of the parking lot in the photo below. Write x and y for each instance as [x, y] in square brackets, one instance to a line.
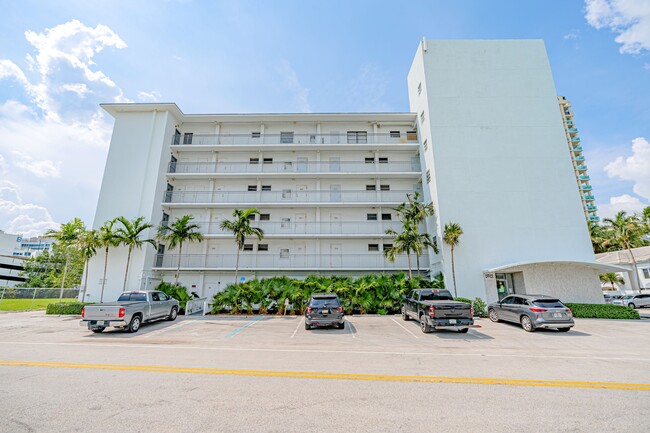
[380, 361]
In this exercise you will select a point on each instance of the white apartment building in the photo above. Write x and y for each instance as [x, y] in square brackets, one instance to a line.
[484, 138]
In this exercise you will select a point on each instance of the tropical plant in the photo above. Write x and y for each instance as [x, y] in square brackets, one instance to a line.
[598, 235]
[87, 245]
[66, 237]
[438, 281]
[451, 236]
[612, 278]
[107, 239]
[176, 234]
[412, 213]
[177, 292]
[240, 227]
[402, 244]
[129, 235]
[625, 232]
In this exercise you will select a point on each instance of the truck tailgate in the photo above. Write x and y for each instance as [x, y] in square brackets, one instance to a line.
[102, 312]
[453, 311]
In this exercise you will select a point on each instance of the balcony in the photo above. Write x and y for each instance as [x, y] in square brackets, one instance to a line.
[581, 168]
[585, 187]
[591, 207]
[293, 168]
[573, 129]
[584, 177]
[594, 218]
[285, 197]
[579, 158]
[575, 139]
[577, 148]
[316, 140]
[589, 197]
[283, 262]
[310, 228]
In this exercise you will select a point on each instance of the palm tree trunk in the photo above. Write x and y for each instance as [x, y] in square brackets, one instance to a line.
[237, 266]
[417, 259]
[126, 274]
[408, 258]
[101, 297]
[636, 269]
[65, 272]
[453, 272]
[178, 268]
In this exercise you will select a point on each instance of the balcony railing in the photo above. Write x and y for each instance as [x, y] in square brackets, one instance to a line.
[293, 227]
[591, 207]
[284, 196]
[270, 260]
[294, 167]
[582, 168]
[328, 138]
[586, 187]
[594, 218]
[573, 129]
[584, 177]
[580, 158]
[589, 197]
[577, 148]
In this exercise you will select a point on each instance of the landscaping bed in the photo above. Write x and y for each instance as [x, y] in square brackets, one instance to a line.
[602, 311]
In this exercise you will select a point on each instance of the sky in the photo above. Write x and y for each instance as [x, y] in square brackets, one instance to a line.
[60, 59]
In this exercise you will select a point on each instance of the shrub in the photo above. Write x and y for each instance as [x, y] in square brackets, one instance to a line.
[459, 299]
[602, 311]
[65, 308]
[480, 307]
[177, 292]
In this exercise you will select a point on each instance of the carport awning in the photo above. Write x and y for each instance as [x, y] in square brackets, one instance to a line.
[600, 267]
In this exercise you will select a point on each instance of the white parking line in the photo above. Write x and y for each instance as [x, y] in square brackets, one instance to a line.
[168, 329]
[403, 327]
[298, 327]
[350, 326]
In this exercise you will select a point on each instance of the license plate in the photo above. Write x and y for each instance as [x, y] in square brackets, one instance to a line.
[325, 312]
[557, 314]
[452, 321]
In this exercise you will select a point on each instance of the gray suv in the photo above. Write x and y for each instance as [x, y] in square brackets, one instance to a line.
[324, 310]
[532, 312]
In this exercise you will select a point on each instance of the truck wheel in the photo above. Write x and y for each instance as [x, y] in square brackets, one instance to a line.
[307, 327]
[405, 317]
[135, 324]
[527, 324]
[98, 330]
[631, 305]
[172, 314]
[424, 326]
[463, 331]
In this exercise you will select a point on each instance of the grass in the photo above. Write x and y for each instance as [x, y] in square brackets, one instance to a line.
[24, 304]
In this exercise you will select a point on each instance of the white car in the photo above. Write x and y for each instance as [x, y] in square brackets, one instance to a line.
[633, 301]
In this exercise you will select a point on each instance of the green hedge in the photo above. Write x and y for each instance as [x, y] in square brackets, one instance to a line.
[602, 311]
[480, 308]
[65, 308]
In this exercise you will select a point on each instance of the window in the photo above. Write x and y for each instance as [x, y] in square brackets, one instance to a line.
[386, 217]
[254, 161]
[383, 160]
[419, 88]
[177, 137]
[162, 296]
[248, 247]
[262, 247]
[284, 253]
[187, 137]
[394, 134]
[172, 164]
[426, 145]
[268, 160]
[387, 246]
[370, 160]
[373, 247]
[255, 135]
[252, 187]
[251, 217]
[165, 219]
[265, 217]
[422, 117]
[384, 187]
[428, 176]
[286, 194]
[371, 217]
[360, 137]
[646, 273]
[266, 187]
[371, 188]
[411, 135]
[286, 137]
[155, 297]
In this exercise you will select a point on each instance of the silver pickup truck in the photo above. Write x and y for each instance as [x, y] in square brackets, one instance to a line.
[130, 311]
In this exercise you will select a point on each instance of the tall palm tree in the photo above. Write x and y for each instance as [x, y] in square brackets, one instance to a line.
[107, 239]
[87, 244]
[176, 234]
[451, 236]
[405, 242]
[612, 278]
[412, 213]
[129, 236]
[626, 231]
[241, 228]
[598, 235]
[66, 237]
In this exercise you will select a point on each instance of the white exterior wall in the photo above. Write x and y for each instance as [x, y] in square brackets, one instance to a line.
[497, 156]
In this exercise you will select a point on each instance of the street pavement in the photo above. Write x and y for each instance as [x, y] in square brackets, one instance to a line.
[254, 374]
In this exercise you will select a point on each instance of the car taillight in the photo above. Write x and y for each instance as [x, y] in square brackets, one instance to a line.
[121, 312]
[83, 312]
[309, 309]
[471, 311]
[432, 311]
[568, 310]
[340, 309]
[538, 310]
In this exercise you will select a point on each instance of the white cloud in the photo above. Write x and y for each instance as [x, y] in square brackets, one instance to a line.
[634, 168]
[152, 96]
[619, 203]
[80, 89]
[43, 168]
[292, 84]
[22, 218]
[572, 35]
[629, 19]
[366, 91]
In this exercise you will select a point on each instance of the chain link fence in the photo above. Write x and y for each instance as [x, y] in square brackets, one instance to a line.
[19, 299]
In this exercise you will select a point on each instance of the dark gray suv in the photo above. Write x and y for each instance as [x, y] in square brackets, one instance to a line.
[532, 312]
[324, 310]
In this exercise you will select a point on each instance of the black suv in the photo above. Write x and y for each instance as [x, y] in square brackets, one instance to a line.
[324, 310]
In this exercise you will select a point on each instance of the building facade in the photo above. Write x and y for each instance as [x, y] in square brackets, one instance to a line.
[484, 142]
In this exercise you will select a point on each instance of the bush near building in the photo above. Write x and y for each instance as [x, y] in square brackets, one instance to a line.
[65, 308]
[478, 304]
[177, 292]
[602, 311]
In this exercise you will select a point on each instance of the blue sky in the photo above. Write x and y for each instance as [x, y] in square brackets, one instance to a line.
[282, 56]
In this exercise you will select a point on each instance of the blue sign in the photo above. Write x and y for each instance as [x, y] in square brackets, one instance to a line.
[242, 279]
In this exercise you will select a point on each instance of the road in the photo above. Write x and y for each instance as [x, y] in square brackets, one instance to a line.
[250, 374]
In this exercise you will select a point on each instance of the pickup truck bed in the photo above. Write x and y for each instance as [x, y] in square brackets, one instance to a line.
[436, 309]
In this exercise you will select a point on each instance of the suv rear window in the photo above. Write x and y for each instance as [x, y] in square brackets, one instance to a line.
[130, 296]
[430, 295]
[548, 303]
[320, 302]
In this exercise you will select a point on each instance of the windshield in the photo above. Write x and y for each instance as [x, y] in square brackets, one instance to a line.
[548, 303]
[132, 296]
[324, 302]
[429, 295]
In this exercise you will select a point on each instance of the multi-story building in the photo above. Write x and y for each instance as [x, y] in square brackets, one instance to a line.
[578, 158]
[484, 143]
[14, 249]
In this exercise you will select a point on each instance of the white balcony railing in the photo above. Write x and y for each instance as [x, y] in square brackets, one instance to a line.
[293, 167]
[293, 227]
[284, 196]
[269, 260]
[327, 138]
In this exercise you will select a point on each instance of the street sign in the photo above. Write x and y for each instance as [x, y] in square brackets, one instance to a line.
[242, 279]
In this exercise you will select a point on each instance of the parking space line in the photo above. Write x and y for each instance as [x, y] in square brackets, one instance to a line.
[298, 327]
[170, 328]
[241, 328]
[403, 327]
[350, 327]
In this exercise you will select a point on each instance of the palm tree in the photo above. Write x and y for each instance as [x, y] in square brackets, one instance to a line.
[66, 237]
[241, 227]
[625, 232]
[612, 278]
[180, 231]
[107, 239]
[413, 213]
[598, 235]
[129, 236]
[451, 236]
[87, 244]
